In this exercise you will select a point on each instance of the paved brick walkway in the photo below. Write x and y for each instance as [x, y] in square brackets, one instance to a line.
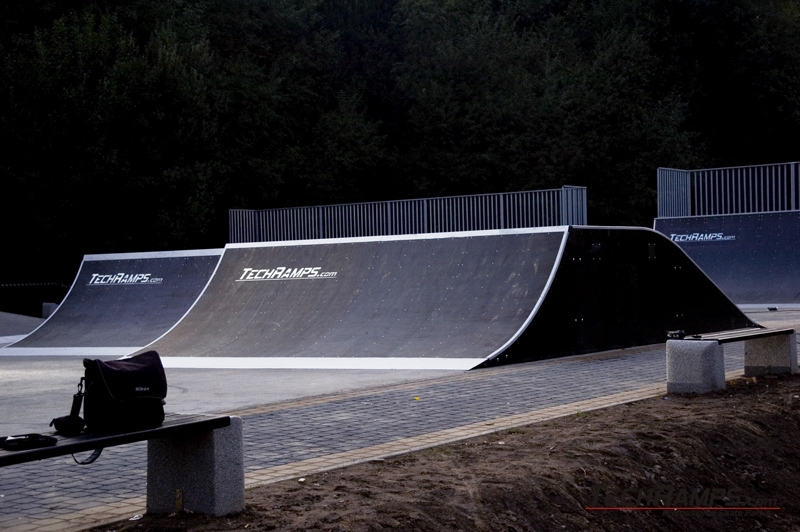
[306, 436]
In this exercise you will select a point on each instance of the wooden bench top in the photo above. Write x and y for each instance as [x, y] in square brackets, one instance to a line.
[737, 335]
[174, 425]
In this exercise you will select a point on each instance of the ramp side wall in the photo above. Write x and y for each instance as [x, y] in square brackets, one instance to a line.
[622, 287]
[753, 258]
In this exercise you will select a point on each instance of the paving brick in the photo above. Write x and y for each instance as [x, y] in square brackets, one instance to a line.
[297, 438]
[22, 527]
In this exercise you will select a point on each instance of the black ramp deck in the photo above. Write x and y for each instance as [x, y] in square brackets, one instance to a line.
[119, 303]
[753, 258]
[446, 300]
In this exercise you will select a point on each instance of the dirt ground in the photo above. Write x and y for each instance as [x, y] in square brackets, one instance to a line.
[724, 455]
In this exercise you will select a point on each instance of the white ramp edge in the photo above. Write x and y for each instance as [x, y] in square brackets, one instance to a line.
[85, 352]
[766, 306]
[378, 363]
[12, 339]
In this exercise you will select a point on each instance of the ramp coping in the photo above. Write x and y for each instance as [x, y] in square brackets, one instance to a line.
[395, 238]
[155, 254]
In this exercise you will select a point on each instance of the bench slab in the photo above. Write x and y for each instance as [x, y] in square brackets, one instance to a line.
[696, 363]
[194, 462]
[738, 335]
[174, 425]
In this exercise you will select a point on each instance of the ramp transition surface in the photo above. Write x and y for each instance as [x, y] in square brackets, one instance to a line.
[445, 301]
[121, 302]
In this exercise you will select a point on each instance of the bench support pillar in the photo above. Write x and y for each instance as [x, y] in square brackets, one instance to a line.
[202, 472]
[771, 355]
[695, 366]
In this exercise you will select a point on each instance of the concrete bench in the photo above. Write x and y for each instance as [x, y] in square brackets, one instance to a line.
[194, 462]
[695, 364]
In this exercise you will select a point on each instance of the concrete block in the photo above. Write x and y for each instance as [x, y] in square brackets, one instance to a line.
[695, 366]
[201, 472]
[772, 355]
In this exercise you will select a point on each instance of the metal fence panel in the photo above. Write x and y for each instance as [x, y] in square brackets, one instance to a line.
[734, 190]
[511, 210]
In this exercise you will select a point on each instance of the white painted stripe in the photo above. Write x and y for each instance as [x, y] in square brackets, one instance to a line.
[9, 339]
[455, 364]
[86, 352]
[155, 254]
[399, 238]
[765, 306]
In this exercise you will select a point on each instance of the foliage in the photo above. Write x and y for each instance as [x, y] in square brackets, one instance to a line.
[136, 124]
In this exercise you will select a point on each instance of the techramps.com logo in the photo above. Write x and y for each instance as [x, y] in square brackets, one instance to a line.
[123, 278]
[665, 497]
[283, 273]
[701, 237]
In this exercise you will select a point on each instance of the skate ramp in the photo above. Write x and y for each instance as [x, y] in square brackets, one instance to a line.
[121, 302]
[444, 301]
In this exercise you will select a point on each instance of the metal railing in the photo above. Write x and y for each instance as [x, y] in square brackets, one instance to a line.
[734, 190]
[538, 208]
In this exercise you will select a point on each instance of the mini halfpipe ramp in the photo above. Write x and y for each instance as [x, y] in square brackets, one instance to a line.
[445, 301]
[121, 302]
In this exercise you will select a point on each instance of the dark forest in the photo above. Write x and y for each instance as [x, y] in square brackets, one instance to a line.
[135, 125]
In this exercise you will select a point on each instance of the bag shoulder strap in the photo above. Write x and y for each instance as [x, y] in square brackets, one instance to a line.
[92, 457]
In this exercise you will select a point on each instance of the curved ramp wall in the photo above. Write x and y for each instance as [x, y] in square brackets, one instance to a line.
[121, 302]
[440, 301]
[445, 301]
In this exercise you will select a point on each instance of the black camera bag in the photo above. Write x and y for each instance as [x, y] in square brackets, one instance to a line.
[124, 395]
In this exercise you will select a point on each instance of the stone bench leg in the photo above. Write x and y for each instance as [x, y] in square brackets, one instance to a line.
[771, 355]
[201, 472]
[695, 366]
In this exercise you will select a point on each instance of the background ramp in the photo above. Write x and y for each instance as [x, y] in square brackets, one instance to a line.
[445, 301]
[753, 258]
[121, 302]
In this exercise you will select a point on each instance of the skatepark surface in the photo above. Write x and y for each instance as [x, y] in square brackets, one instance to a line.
[15, 327]
[302, 421]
